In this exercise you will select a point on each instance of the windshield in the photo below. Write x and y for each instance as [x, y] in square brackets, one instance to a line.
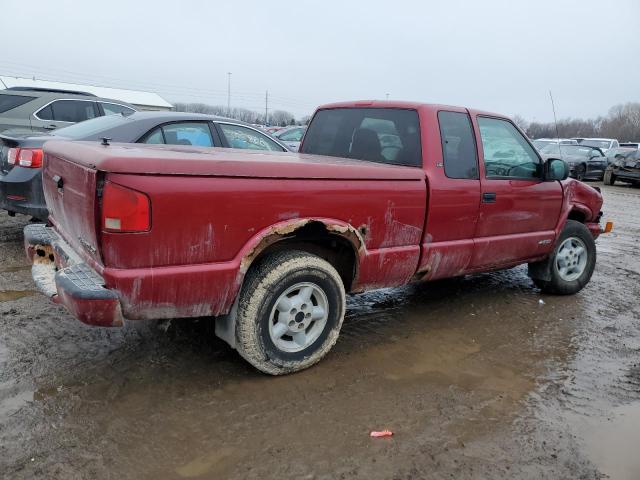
[384, 135]
[597, 143]
[90, 127]
[576, 150]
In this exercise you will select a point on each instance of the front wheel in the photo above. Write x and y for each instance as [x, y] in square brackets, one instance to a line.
[290, 312]
[609, 177]
[572, 262]
[581, 171]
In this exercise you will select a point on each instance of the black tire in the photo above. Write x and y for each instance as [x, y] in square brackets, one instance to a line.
[609, 177]
[556, 284]
[581, 171]
[263, 286]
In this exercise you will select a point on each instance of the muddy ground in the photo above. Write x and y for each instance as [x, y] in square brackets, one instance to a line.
[484, 377]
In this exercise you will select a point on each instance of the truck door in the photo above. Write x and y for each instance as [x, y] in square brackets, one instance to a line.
[518, 210]
[453, 197]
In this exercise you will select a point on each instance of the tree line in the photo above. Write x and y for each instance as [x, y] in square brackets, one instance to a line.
[622, 122]
[279, 118]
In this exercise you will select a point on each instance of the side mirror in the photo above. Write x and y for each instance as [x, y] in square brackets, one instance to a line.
[556, 169]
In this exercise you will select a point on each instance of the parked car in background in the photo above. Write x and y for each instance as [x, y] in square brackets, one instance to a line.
[39, 110]
[21, 155]
[291, 136]
[603, 144]
[625, 167]
[540, 143]
[269, 244]
[584, 162]
[272, 130]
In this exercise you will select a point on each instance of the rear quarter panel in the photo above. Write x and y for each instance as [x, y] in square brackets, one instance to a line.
[203, 227]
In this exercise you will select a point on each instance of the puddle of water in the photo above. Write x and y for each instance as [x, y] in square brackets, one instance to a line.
[215, 461]
[13, 397]
[10, 295]
[612, 442]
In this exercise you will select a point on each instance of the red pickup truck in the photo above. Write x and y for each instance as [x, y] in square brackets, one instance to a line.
[381, 194]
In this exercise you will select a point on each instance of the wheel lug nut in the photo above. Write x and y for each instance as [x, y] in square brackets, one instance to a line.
[303, 306]
[293, 311]
[300, 326]
[308, 315]
[292, 323]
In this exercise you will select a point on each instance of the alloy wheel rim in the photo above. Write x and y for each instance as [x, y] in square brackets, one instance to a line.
[571, 259]
[298, 317]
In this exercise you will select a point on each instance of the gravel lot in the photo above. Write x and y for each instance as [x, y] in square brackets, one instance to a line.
[482, 377]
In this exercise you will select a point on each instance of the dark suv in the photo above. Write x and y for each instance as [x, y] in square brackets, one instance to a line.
[33, 110]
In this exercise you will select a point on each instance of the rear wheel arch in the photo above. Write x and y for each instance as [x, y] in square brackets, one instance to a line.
[336, 242]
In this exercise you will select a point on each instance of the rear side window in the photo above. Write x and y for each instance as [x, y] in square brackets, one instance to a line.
[238, 136]
[458, 145]
[383, 135]
[71, 111]
[8, 102]
[114, 109]
[184, 133]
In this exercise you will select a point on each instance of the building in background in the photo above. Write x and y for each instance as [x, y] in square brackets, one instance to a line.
[141, 100]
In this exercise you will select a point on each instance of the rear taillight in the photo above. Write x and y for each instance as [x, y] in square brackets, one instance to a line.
[25, 157]
[124, 210]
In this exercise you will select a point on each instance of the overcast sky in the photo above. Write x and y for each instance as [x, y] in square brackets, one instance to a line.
[494, 55]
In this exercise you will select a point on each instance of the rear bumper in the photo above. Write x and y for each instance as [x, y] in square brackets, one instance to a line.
[62, 276]
[21, 192]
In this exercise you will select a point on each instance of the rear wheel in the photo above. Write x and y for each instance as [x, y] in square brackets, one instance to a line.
[572, 262]
[290, 312]
[609, 177]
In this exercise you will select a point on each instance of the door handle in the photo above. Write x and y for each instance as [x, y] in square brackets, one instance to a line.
[489, 197]
[49, 127]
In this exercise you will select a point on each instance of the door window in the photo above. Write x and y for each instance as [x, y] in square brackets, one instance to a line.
[114, 109]
[507, 154]
[186, 133]
[71, 111]
[458, 145]
[242, 137]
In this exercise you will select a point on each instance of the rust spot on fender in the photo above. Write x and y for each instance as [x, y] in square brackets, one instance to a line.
[278, 232]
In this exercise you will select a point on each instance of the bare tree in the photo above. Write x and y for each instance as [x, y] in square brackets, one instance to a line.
[278, 117]
[622, 122]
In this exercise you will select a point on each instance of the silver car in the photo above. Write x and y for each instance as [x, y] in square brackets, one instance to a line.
[291, 137]
[24, 110]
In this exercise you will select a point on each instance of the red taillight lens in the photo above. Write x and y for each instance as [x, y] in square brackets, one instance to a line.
[124, 210]
[12, 156]
[30, 157]
[25, 157]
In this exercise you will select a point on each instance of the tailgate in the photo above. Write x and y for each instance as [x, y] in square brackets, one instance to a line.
[70, 192]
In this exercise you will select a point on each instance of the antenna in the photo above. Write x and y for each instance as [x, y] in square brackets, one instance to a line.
[555, 121]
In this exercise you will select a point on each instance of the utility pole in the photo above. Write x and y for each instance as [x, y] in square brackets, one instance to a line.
[228, 94]
[266, 108]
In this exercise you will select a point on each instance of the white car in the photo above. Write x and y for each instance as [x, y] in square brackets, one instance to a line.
[603, 144]
[540, 143]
